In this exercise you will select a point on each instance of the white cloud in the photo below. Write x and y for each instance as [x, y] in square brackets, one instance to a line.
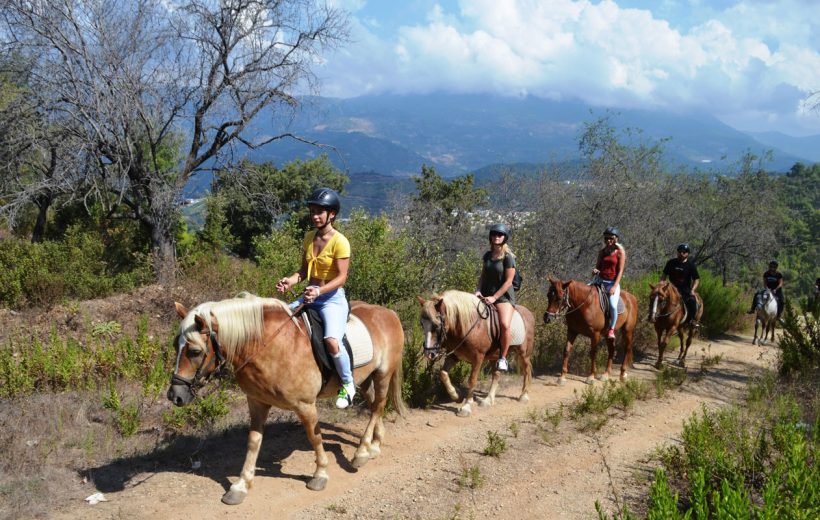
[753, 61]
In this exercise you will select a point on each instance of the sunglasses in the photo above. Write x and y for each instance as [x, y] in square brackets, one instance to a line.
[496, 234]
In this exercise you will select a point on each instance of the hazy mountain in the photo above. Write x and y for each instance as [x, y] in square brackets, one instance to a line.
[390, 136]
[807, 147]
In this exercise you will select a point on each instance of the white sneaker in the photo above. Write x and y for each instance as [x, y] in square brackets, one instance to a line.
[502, 364]
[345, 396]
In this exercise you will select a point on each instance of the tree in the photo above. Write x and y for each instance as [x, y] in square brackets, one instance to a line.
[156, 90]
[257, 195]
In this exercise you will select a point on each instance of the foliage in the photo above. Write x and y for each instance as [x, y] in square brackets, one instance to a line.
[723, 305]
[254, 197]
[800, 341]
[126, 416]
[471, 477]
[205, 411]
[27, 364]
[594, 402]
[496, 444]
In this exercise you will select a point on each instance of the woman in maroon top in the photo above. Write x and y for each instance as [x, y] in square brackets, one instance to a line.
[610, 268]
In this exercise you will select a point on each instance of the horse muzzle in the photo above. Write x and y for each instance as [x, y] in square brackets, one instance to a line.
[181, 391]
[549, 316]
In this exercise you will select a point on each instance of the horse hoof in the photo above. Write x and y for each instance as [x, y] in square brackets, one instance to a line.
[603, 377]
[464, 412]
[590, 380]
[562, 381]
[658, 365]
[524, 398]
[234, 497]
[485, 402]
[360, 461]
[375, 451]
[317, 483]
[623, 377]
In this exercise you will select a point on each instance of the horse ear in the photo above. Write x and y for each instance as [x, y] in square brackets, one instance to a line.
[200, 322]
[214, 324]
[549, 278]
[652, 286]
[421, 300]
[181, 310]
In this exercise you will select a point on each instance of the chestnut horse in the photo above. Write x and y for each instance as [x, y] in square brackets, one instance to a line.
[274, 365]
[765, 315]
[458, 323]
[579, 304]
[668, 311]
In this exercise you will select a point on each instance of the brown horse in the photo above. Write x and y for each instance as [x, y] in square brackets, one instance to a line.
[274, 365]
[458, 323]
[578, 303]
[667, 311]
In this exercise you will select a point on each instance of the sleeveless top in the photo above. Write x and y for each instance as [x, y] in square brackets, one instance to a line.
[609, 265]
[321, 266]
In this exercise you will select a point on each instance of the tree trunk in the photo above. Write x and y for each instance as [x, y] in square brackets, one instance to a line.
[164, 255]
[43, 203]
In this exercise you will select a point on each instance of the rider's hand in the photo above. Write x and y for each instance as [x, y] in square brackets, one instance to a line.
[479, 295]
[612, 291]
[311, 293]
[489, 300]
[283, 285]
[595, 271]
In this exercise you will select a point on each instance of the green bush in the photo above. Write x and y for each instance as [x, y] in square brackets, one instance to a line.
[800, 341]
[78, 267]
[723, 307]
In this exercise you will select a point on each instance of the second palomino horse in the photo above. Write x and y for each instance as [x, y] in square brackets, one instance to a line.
[578, 303]
[765, 315]
[459, 323]
[667, 311]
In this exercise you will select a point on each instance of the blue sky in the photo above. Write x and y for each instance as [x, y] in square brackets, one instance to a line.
[751, 63]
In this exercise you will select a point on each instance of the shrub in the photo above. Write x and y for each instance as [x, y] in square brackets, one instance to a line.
[723, 306]
[496, 445]
[800, 341]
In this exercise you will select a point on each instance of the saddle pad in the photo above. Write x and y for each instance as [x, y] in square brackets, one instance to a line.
[360, 341]
[603, 300]
[517, 330]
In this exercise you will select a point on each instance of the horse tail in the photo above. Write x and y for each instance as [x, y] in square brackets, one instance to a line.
[395, 390]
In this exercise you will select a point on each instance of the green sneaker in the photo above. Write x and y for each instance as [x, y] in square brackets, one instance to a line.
[345, 396]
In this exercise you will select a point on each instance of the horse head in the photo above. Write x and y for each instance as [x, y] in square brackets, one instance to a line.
[762, 297]
[557, 298]
[198, 353]
[433, 323]
[659, 297]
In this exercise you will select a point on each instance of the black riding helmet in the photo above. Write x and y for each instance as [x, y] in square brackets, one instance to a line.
[612, 231]
[684, 248]
[773, 263]
[501, 229]
[326, 198]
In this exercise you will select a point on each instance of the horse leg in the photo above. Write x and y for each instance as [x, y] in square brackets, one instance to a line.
[627, 337]
[610, 349]
[490, 399]
[689, 337]
[444, 376]
[663, 338]
[683, 346]
[310, 422]
[526, 368]
[571, 335]
[754, 338]
[368, 447]
[593, 353]
[239, 489]
[466, 409]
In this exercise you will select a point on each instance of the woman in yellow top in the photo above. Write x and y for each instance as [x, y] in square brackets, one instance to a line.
[325, 264]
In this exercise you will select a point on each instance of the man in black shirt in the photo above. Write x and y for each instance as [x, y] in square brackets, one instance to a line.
[773, 280]
[684, 276]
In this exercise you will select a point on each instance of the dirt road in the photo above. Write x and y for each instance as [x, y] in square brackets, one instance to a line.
[431, 457]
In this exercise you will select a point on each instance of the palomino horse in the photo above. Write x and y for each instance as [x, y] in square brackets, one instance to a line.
[579, 304]
[765, 314]
[274, 365]
[457, 322]
[668, 312]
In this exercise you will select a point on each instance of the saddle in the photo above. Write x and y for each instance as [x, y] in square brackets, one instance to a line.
[517, 331]
[603, 301]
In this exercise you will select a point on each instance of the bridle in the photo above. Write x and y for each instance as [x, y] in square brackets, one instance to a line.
[203, 372]
[434, 352]
[663, 302]
[565, 304]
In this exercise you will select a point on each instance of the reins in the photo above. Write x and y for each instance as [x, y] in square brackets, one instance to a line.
[442, 336]
[566, 305]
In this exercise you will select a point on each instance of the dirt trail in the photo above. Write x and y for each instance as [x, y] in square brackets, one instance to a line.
[557, 474]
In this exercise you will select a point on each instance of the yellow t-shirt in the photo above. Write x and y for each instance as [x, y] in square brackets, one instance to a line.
[322, 267]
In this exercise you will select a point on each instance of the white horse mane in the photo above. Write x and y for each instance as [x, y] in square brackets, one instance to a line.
[240, 321]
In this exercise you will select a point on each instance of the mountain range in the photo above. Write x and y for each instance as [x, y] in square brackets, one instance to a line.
[382, 140]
